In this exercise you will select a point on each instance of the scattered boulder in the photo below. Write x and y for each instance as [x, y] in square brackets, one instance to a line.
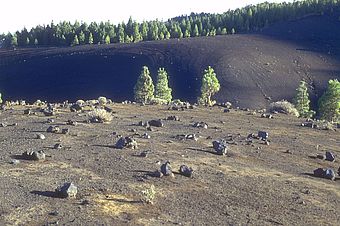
[3, 124]
[191, 136]
[34, 155]
[27, 111]
[330, 156]
[126, 142]
[262, 135]
[53, 129]
[76, 107]
[186, 171]
[65, 131]
[14, 161]
[41, 136]
[71, 123]
[201, 125]
[166, 169]
[156, 123]
[173, 118]
[144, 154]
[220, 146]
[264, 115]
[67, 190]
[327, 173]
[58, 146]
[146, 136]
[50, 120]
[144, 124]
[158, 174]
[49, 112]
[226, 110]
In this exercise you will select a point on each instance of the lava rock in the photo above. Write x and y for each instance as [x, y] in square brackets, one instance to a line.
[226, 110]
[67, 190]
[27, 111]
[201, 125]
[50, 120]
[14, 161]
[41, 136]
[173, 118]
[156, 123]
[319, 172]
[220, 146]
[126, 142]
[186, 171]
[166, 169]
[191, 136]
[329, 174]
[262, 135]
[75, 108]
[3, 124]
[65, 131]
[330, 156]
[58, 146]
[53, 129]
[144, 154]
[146, 136]
[71, 123]
[144, 124]
[34, 155]
[158, 174]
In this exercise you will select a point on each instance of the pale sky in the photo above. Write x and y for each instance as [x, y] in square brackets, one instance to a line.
[18, 14]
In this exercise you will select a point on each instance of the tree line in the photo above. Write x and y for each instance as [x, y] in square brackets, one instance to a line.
[250, 18]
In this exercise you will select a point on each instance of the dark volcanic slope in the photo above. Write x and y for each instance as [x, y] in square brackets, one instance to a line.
[249, 67]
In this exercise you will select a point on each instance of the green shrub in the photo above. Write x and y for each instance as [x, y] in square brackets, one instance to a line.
[329, 103]
[284, 106]
[210, 86]
[144, 88]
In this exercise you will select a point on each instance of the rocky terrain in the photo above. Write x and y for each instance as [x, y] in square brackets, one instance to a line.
[237, 180]
[253, 69]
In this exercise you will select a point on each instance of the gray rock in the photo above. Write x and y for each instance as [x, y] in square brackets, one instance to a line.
[173, 118]
[145, 154]
[220, 146]
[158, 174]
[126, 142]
[226, 110]
[166, 169]
[27, 111]
[144, 124]
[41, 136]
[329, 174]
[186, 171]
[3, 124]
[319, 172]
[146, 136]
[156, 123]
[262, 135]
[58, 146]
[14, 161]
[71, 123]
[50, 120]
[53, 129]
[65, 131]
[330, 156]
[49, 112]
[76, 108]
[34, 155]
[201, 125]
[67, 190]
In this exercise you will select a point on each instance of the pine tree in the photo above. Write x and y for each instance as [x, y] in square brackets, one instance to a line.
[144, 88]
[14, 41]
[301, 101]
[329, 103]
[210, 86]
[163, 91]
[107, 39]
[75, 41]
[195, 33]
[90, 41]
[81, 38]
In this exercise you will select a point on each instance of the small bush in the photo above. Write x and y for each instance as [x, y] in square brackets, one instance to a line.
[284, 106]
[148, 195]
[158, 101]
[100, 115]
[102, 100]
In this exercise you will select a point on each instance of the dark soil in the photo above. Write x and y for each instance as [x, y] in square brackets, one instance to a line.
[254, 69]
[254, 184]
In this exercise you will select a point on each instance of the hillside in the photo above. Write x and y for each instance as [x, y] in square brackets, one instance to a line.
[252, 68]
[254, 184]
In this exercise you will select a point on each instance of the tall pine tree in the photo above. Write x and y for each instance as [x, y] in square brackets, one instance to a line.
[329, 103]
[210, 86]
[144, 88]
[301, 101]
[163, 91]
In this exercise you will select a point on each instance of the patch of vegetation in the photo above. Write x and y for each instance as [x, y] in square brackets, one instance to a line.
[163, 91]
[210, 86]
[100, 115]
[148, 195]
[329, 103]
[144, 88]
[301, 101]
[284, 106]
